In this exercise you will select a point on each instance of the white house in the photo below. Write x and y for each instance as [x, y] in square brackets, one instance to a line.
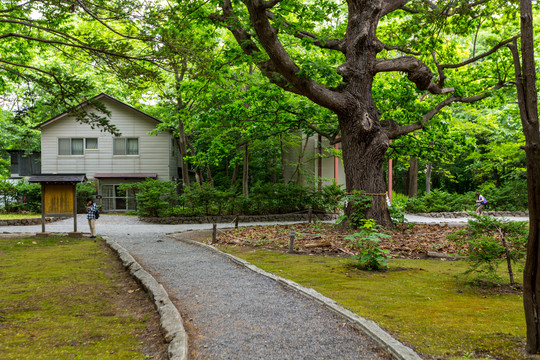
[313, 160]
[72, 147]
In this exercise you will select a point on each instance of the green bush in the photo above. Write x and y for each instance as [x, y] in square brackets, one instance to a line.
[370, 256]
[154, 197]
[491, 242]
[510, 197]
[84, 191]
[19, 196]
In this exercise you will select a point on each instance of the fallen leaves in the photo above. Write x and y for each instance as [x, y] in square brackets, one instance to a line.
[413, 242]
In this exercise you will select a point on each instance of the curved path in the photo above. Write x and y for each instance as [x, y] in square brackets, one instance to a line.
[230, 312]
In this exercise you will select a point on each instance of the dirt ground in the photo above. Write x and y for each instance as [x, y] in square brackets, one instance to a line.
[416, 241]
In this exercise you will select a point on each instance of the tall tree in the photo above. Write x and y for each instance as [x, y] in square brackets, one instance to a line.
[528, 105]
[271, 30]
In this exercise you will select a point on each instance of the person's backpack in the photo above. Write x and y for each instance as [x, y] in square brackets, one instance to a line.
[96, 215]
[484, 202]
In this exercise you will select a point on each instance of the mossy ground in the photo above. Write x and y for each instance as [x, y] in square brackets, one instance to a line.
[19, 216]
[421, 302]
[65, 298]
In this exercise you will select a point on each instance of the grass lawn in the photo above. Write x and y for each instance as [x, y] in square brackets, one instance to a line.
[420, 302]
[65, 298]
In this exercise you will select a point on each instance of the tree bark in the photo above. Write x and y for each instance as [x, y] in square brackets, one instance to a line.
[527, 100]
[428, 177]
[245, 172]
[209, 177]
[363, 157]
[413, 177]
[234, 175]
[182, 140]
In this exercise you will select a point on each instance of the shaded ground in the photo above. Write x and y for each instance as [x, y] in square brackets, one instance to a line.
[71, 298]
[414, 241]
[131, 296]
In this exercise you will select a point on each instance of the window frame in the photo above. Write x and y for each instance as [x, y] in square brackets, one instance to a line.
[84, 145]
[125, 146]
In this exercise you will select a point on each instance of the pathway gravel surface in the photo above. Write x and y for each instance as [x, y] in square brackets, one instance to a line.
[230, 312]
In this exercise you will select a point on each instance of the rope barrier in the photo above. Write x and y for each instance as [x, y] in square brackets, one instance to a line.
[314, 236]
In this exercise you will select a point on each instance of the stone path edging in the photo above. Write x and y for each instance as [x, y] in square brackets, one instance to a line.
[385, 340]
[170, 319]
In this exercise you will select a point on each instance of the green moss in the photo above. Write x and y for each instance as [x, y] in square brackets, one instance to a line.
[58, 302]
[19, 216]
[421, 302]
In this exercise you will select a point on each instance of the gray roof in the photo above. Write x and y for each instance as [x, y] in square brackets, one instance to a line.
[57, 178]
[97, 97]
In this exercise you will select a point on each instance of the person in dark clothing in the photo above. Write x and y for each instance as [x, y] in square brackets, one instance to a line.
[91, 209]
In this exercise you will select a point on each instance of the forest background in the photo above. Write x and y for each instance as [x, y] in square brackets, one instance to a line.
[172, 61]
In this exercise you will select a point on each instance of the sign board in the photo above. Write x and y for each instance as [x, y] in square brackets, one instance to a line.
[58, 199]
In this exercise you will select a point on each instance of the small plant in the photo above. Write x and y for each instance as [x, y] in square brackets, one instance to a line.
[357, 204]
[370, 256]
[491, 242]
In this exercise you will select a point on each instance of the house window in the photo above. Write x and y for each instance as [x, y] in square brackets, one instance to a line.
[91, 143]
[125, 146]
[76, 146]
[116, 199]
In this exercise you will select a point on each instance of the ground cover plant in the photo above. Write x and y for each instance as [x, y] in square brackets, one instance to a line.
[68, 298]
[424, 302]
[19, 216]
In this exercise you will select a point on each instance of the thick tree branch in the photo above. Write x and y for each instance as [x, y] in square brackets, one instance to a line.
[270, 3]
[285, 66]
[393, 130]
[279, 69]
[392, 5]
[417, 72]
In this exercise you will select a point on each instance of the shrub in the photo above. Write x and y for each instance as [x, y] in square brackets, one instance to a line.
[491, 242]
[84, 191]
[359, 203]
[512, 196]
[371, 256]
[154, 197]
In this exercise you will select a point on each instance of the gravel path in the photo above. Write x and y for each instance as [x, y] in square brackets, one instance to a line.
[230, 312]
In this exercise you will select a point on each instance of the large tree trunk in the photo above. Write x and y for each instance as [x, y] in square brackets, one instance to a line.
[363, 158]
[527, 100]
[413, 177]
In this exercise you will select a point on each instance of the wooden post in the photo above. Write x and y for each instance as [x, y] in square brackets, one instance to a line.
[236, 219]
[42, 208]
[74, 208]
[310, 214]
[214, 233]
[291, 242]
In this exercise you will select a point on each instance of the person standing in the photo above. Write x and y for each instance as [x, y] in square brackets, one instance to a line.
[480, 202]
[91, 209]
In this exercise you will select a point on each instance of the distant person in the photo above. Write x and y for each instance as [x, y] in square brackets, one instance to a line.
[480, 202]
[91, 209]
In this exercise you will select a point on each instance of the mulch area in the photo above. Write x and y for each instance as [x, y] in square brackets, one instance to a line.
[412, 241]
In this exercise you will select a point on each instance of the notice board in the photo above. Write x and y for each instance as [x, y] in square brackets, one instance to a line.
[58, 199]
